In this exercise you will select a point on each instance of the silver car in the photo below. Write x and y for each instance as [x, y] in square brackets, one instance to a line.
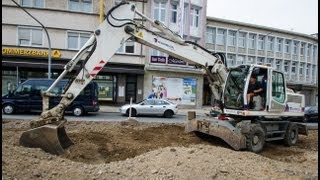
[151, 107]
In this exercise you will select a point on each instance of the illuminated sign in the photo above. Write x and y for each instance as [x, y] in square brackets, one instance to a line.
[29, 52]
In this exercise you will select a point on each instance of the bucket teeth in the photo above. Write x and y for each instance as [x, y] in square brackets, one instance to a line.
[50, 138]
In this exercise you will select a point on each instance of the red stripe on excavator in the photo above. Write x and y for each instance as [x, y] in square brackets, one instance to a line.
[93, 75]
[102, 62]
[97, 68]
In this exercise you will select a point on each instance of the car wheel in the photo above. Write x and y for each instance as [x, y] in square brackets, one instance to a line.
[291, 136]
[133, 112]
[304, 119]
[78, 111]
[8, 109]
[168, 114]
[255, 139]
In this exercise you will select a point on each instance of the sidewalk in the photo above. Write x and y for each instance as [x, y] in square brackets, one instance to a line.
[181, 111]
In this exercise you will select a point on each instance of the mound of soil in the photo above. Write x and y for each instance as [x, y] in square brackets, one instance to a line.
[133, 150]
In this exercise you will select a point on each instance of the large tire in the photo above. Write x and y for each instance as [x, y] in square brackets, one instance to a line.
[255, 138]
[8, 109]
[291, 136]
[78, 111]
[133, 112]
[168, 114]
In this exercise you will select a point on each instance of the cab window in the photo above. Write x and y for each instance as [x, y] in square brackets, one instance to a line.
[278, 88]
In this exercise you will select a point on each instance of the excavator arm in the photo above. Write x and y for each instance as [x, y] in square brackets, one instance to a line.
[122, 22]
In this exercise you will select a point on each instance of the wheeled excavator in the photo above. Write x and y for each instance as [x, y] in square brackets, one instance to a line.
[238, 125]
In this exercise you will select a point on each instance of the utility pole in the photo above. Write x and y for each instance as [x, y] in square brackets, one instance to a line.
[45, 29]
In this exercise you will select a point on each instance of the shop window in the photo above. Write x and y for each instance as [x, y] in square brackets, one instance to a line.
[32, 3]
[80, 5]
[76, 40]
[29, 36]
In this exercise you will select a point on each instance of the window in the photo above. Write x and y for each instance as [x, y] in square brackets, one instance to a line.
[231, 60]
[308, 70]
[240, 60]
[80, 5]
[210, 35]
[252, 39]
[278, 88]
[32, 3]
[279, 45]
[286, 67]
[270, 61]
[232, 38]
[29, 37]
[302, 49]
[278, 65]
[77, 40]
[250, 60]
[242, 39]
[195, 16]
[221, 37]
[260, 60]
[159, 12]
[293, 68]
[301, 72]
[270, 44]
[287, 46]
[127, 47]
[157, 53]
[261, 43]
[174, 8]
[295, 47]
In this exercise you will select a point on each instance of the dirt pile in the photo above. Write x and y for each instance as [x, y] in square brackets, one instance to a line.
[105, 150]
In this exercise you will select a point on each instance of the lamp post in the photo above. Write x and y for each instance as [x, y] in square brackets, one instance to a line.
[49, 42]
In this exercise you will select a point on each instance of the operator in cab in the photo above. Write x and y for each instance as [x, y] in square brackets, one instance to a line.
[253, 95]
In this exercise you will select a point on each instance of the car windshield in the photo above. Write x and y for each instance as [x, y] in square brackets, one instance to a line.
[233, 92]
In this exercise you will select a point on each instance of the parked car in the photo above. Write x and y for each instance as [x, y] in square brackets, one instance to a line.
[27, 97]
[311, 114]
[151, 107]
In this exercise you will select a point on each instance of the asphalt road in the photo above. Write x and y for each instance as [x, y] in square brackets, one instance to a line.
[113, 116]
[103, 116]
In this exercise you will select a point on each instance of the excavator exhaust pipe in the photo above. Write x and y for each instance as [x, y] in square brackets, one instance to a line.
[50, 138]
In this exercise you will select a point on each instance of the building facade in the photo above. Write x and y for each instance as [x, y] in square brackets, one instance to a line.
[293, 53]
[69, 23]
[136, 71]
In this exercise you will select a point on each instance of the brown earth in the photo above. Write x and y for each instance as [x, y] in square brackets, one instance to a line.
[113, 150]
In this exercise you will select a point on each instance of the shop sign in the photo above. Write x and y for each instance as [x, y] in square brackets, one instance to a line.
[173, 60]
[158, 59]
[30, 52]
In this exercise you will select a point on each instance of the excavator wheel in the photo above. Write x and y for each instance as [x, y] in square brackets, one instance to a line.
[50, 138]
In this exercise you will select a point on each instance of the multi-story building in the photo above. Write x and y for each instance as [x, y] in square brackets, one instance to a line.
[132, 72]
[69, 24]
[293, 53]
[136, 70]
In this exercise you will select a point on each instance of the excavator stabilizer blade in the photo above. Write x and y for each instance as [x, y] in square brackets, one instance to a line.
[50, 138]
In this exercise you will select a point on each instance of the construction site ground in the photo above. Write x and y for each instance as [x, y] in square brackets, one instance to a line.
[133, 150]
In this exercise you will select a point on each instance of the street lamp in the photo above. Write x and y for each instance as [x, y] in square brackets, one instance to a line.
[49, 42]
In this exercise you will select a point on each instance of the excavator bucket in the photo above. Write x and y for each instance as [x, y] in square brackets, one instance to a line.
[50, 138]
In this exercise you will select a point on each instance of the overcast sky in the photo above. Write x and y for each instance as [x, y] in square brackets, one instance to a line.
[293, 15]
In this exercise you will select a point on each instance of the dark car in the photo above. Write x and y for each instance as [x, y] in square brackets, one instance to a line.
[311, 114]
[27, 97]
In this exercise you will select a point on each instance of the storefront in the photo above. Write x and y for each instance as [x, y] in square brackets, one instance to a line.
[20, 64]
